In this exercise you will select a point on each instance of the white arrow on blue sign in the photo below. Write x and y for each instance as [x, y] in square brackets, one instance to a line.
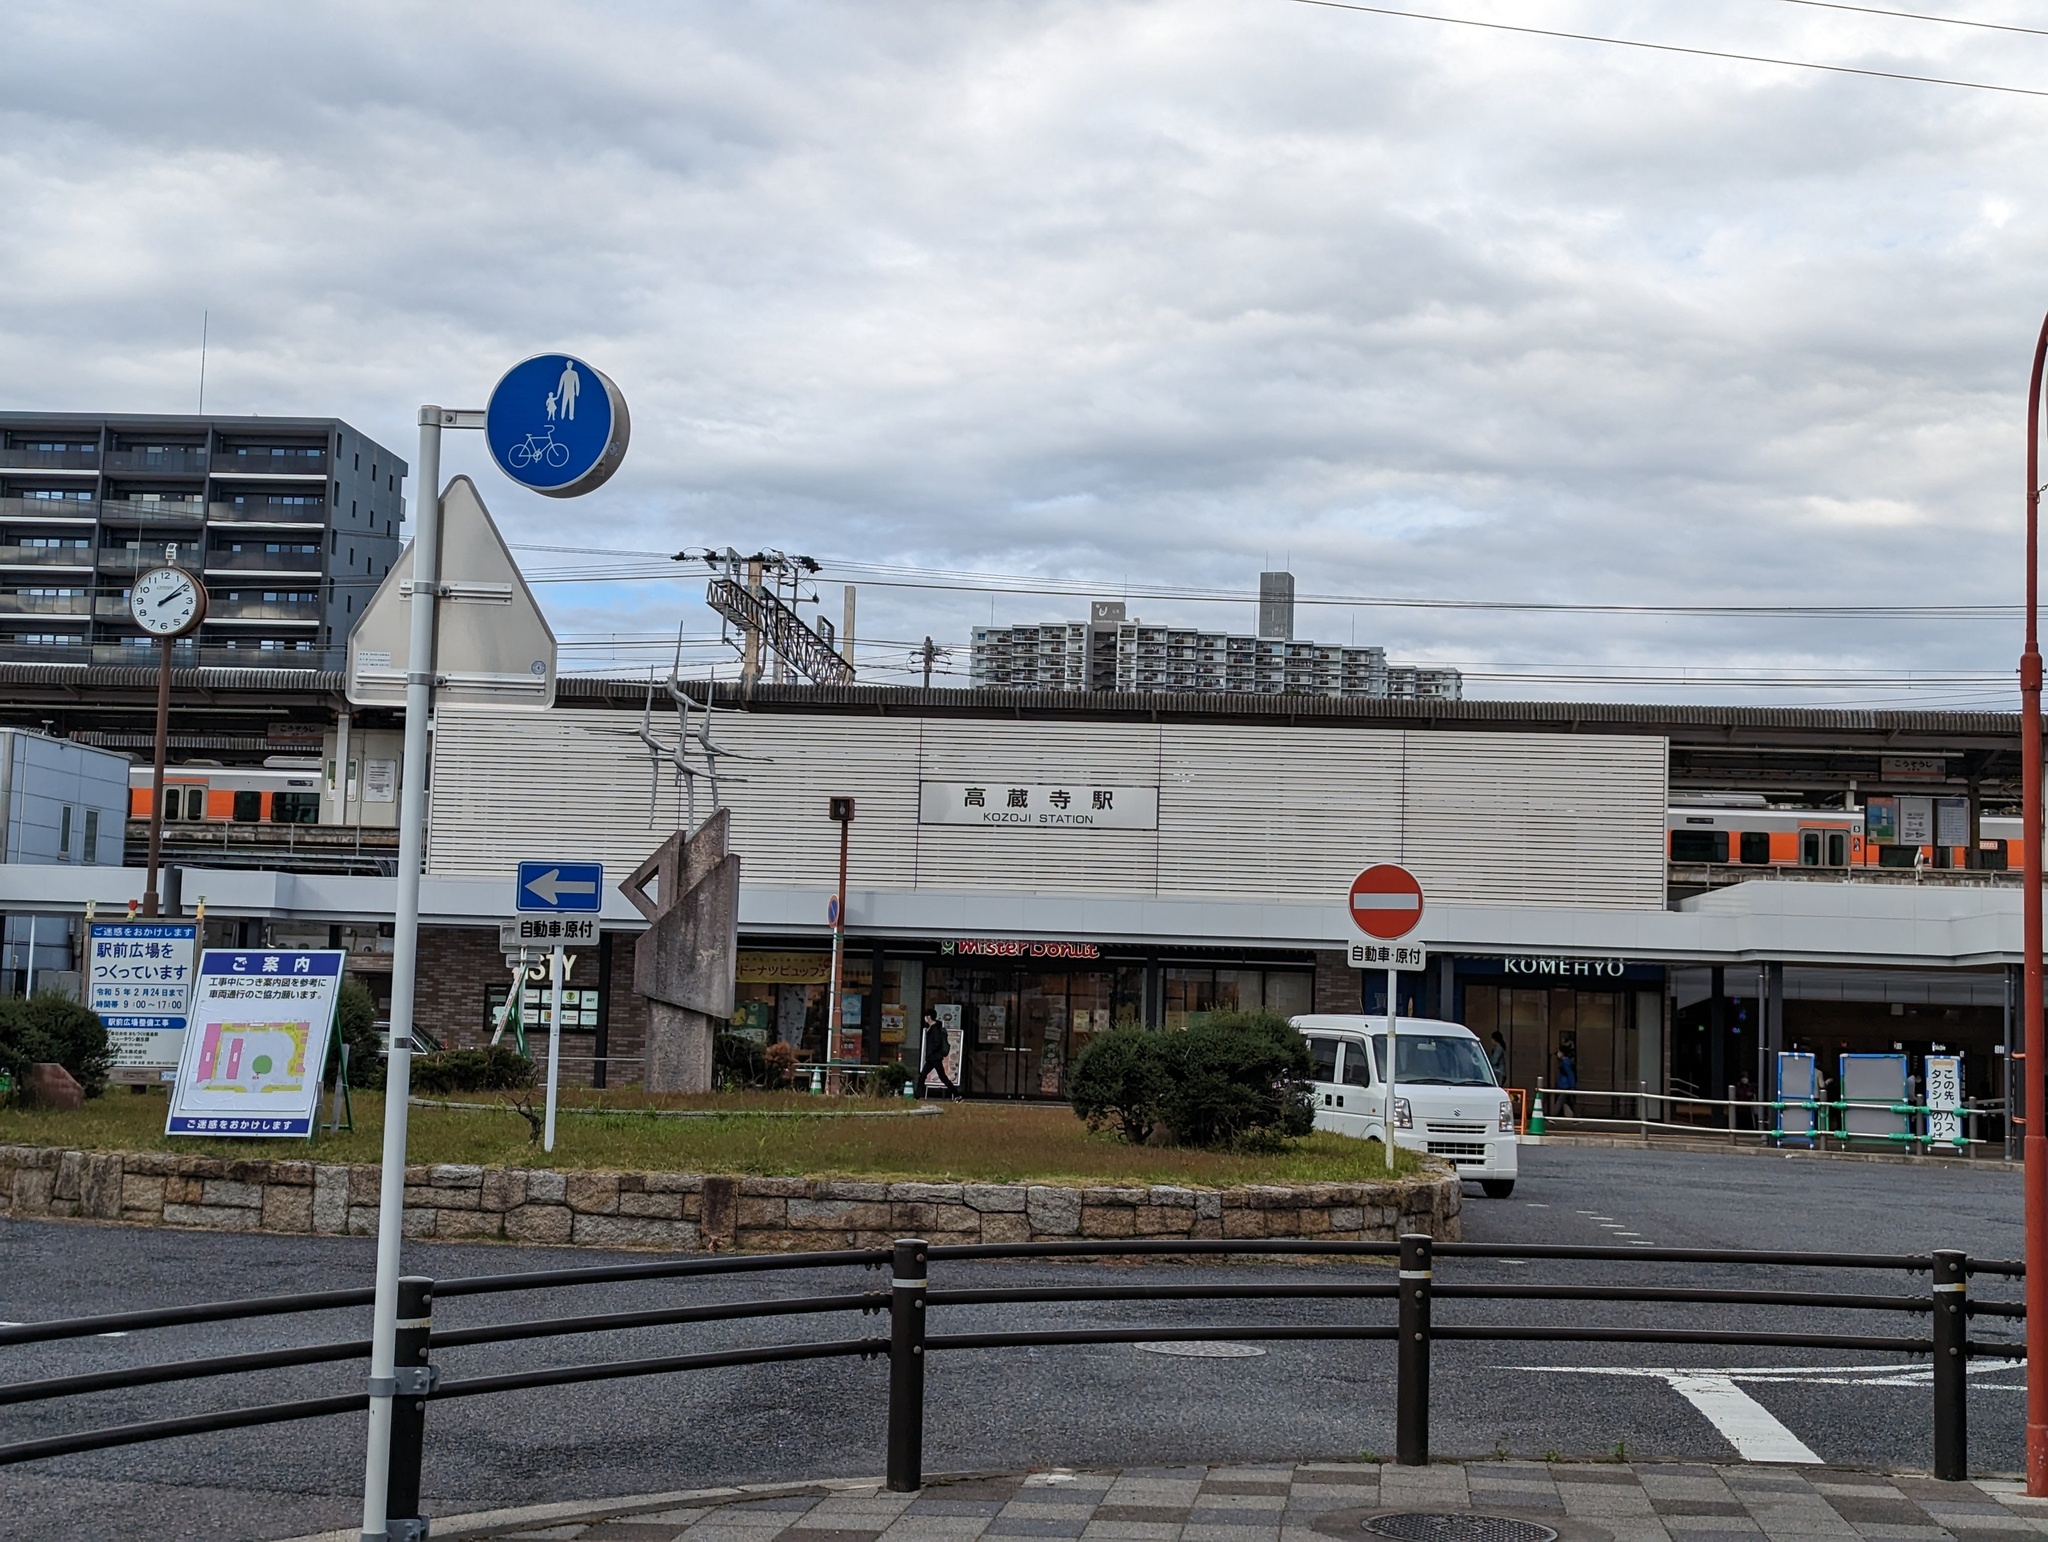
[556, 425]
[560, 886]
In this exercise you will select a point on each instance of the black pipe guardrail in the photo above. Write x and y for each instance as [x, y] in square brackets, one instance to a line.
[909, 1299]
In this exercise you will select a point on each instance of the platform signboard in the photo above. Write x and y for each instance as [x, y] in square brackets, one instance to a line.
[138, 983]
[256, 1046]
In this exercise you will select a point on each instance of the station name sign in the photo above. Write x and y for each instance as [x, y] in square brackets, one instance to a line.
[997, 802]
[1005, 947]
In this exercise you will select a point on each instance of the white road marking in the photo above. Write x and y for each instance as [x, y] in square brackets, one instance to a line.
[1744, 1423]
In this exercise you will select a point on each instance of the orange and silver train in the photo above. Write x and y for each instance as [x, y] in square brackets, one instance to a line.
[1745, 835]
[243, 795]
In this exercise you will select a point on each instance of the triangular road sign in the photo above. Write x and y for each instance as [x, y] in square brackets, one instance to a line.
[492, 645]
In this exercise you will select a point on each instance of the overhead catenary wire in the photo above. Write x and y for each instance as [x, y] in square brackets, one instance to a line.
[1671, 48]
[1946, 21]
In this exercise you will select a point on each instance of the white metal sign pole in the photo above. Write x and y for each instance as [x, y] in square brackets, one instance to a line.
[412, 811]
[1393, 1034]
[547, 1140]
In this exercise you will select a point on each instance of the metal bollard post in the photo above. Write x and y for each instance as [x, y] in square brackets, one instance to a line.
[1951, 1365]
[416, 1380]
[906, 1366]
[1411, 1406]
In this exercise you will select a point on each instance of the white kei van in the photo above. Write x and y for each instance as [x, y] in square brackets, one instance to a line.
[1446, 1101]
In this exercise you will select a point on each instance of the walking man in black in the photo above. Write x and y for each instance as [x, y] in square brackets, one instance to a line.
[937, 1045]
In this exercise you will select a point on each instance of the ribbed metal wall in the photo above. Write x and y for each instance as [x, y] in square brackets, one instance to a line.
[1483, 818]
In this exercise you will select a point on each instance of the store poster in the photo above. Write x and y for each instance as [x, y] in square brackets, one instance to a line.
[139, 983]
[895, 1024]
[256, 1044]
[993, 1022]
[949, 1016]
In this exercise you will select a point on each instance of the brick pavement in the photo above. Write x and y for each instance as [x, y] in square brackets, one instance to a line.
[1314, 1501]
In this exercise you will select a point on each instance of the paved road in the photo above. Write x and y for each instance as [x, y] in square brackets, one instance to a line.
[1106, 1405]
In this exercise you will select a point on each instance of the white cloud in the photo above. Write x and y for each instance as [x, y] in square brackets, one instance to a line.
[1143, 290]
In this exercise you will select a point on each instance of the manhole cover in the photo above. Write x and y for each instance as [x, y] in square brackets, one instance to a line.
[1458, 1528]
[1206, 1350]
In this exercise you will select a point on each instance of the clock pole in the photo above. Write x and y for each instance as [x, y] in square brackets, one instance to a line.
[156, 793]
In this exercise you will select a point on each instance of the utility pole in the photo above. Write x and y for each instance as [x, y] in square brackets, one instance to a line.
[2034, 1150]
[929, 652]
[750, 657]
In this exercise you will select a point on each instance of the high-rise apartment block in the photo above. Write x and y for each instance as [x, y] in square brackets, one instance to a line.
[292, 523]
[1110, 652]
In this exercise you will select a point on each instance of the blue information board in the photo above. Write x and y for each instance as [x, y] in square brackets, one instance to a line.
[556, 425]
[560, 887]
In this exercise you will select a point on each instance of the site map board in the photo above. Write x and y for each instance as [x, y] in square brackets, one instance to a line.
[257, 1042]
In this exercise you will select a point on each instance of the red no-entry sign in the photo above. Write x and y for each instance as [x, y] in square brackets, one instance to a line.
[1386, 901]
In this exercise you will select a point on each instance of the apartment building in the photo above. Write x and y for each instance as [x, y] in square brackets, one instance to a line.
[291, 522]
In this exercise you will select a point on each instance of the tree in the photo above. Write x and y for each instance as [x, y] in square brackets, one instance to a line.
[355, 1024]
[1237, 1079]
[1120, 1082]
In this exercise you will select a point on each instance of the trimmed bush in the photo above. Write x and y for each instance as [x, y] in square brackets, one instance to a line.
[890, 1079]
[1238, 1079]
[495, 1068]
[53, 1027]
[1119, 1082]
[355, 1024]
[738, 1061]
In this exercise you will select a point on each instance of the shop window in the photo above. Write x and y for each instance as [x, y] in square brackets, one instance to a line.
[1699, 845]
[1756, 847]
[248, 807]
[1289, 993]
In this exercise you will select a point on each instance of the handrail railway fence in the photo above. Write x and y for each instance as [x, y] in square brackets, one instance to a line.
[909, 1298]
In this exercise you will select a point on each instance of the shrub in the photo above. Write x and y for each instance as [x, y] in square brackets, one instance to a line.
[780, 1059]
[738, 1061]
[1237, 1079]
[1120, 1082]
[495, 1068]
[53, 1027]
[355, 1024]
[890, 1079]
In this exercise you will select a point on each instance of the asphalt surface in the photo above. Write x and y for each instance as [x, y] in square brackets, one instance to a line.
[1106, 1405]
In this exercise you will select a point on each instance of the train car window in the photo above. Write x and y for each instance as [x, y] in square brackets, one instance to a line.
[1756, 846]
[248, 808]
[1699, 845]
[195, 803]
[1838, 848]
[1809, 848]
[1991, 856]
[295, 808]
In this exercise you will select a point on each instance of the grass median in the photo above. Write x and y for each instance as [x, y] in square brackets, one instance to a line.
[791, 1135]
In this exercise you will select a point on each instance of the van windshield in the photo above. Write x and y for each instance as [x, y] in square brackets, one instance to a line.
[1437, 1060]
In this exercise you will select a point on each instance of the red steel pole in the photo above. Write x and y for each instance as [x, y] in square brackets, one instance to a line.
[2035, 1148]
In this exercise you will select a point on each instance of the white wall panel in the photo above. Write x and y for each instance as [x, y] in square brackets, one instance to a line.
[1268, 812]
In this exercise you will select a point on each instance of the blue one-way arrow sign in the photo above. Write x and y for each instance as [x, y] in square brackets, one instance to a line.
[560, 886]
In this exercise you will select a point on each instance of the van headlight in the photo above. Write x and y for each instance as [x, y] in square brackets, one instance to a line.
[1403, 1118]
[1507, 1116]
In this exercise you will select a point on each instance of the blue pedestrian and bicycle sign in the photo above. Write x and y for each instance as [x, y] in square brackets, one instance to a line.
[556, 425]
[560, 887]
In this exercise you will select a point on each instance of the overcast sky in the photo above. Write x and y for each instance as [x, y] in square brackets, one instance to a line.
[1146, 294]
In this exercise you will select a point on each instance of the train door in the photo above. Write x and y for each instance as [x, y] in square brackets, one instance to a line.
[1823, 847]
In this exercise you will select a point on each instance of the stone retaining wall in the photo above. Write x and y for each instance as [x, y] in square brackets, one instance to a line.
[691, 1211]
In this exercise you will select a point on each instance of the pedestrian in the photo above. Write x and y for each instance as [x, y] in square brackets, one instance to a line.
[1497, 1057]
[1567, 1080]
[937, 1045]
[1745, 1092]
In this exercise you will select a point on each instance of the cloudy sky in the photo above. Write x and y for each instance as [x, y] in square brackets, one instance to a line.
[1128, 297]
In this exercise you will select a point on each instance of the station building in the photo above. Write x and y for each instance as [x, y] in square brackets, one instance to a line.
[1039, 866]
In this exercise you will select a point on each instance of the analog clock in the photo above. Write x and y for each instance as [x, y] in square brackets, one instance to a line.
[167, 602]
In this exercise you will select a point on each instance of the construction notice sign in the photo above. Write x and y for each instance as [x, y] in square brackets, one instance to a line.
[138, 981]
[256, 1042]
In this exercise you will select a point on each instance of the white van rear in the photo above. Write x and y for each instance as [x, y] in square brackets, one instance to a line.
[1446, 1100]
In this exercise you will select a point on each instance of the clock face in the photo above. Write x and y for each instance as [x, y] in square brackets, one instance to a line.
[166, 602]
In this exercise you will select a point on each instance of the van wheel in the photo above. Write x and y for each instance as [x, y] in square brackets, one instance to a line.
[1497, 1188]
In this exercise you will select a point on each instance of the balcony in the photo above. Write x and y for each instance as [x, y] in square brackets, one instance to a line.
[140, 652]
[154, 513]
[112, 607]
[44, 653]
[304, 564]
[50, 511]
[296, 612]
[271, 461]
[126, 561]
[171, 460]
[45, 604]
[256, 512]
[15, 457]
[46, 557]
